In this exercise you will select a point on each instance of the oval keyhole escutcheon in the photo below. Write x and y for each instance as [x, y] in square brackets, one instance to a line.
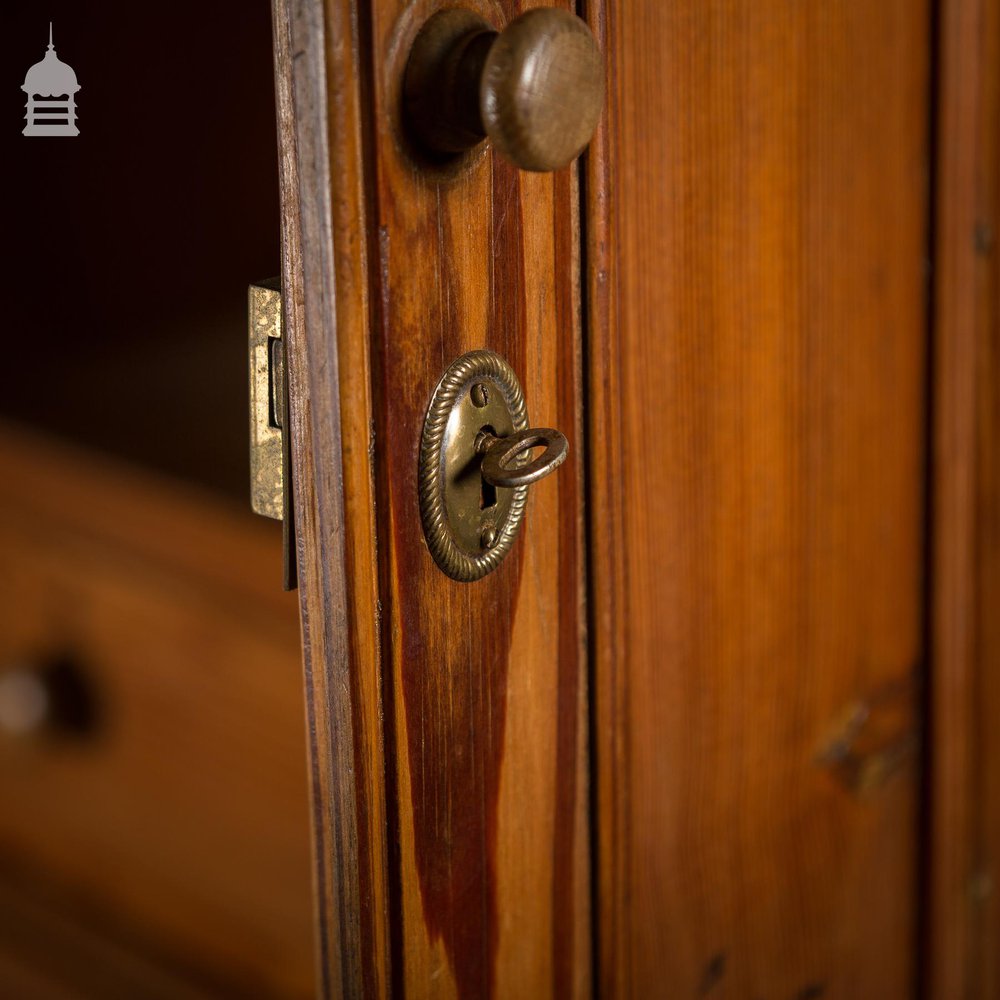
[470, 520]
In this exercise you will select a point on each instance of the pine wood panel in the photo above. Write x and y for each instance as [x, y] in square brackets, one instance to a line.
[963, 926]
[484, 682]
[757, 226]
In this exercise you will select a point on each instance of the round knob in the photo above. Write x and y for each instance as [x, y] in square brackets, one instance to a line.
[52, 697]
[25, 703]
[535, 89]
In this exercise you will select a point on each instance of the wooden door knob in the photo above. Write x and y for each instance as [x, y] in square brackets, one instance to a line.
[536, 88]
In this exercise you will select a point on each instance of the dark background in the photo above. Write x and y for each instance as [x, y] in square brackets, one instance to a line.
[130, 246]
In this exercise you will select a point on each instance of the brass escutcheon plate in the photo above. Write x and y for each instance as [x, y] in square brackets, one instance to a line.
[469, 525]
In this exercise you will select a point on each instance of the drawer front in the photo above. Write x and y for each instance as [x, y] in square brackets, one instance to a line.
[167, 797]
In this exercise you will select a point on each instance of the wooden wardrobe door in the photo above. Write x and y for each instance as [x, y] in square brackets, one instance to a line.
[448, 719]
[746, 393]
[757, 420]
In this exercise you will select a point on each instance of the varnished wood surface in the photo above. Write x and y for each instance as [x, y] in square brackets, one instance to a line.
[319, 70]
[485, 682]
[963, 925]
[176, 826]
[757, 221]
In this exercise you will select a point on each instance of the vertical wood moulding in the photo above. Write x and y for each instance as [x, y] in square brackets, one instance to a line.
[607, 551]
[318, 74]
[962, 958]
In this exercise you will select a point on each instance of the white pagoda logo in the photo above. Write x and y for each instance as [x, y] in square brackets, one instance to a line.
[51, 88]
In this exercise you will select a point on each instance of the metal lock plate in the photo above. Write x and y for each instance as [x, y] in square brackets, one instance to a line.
[469, 524]
[267, 396]
[270, 459]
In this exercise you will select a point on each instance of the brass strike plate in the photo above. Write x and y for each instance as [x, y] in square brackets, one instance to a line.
[270, 478]
[469, 524]
[267, 495]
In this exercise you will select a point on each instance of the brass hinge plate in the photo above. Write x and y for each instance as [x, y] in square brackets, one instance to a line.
[270, 476]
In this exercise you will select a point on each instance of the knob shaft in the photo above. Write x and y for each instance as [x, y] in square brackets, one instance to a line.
[536, 88]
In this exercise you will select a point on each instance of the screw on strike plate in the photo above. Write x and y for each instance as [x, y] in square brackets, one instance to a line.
[480, 395]
[489, 537]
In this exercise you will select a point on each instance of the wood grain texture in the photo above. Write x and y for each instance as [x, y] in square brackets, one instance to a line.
[963, 927]
[757, 223]
[319, 70]
[485, 682]
[176, 827]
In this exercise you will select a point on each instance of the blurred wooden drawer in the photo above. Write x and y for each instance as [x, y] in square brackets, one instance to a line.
[170, 811]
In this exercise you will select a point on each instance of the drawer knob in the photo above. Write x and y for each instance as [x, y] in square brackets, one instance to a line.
[24, 701]
[536, 88]
[50, 697]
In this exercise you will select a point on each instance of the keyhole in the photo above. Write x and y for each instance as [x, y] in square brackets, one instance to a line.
[487, 496]
[487, 491]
